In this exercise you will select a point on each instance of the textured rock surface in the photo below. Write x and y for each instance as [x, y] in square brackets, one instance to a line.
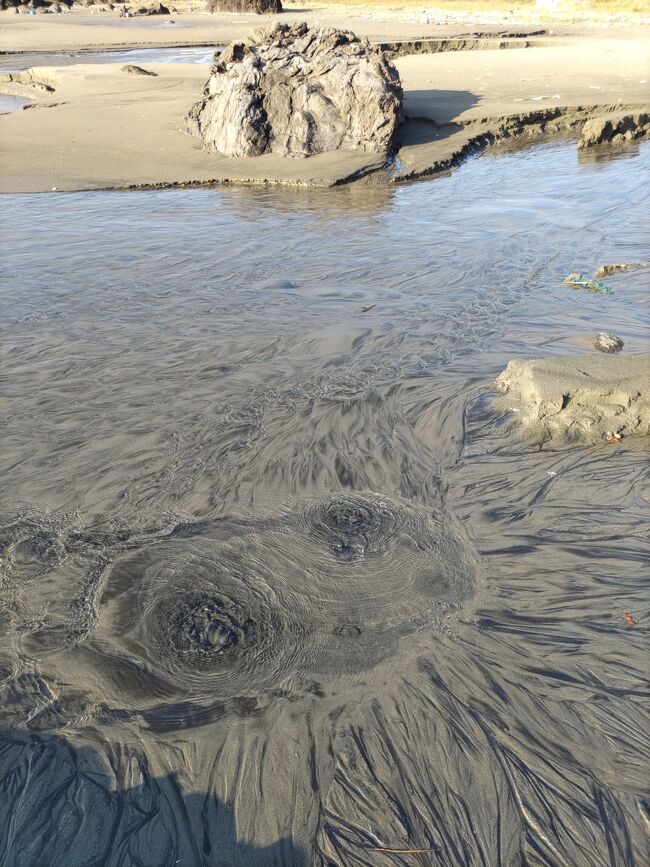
[579, 397]
[259, 7]
[297, 91]
[608, 342]
[617, 129]
[618, 267]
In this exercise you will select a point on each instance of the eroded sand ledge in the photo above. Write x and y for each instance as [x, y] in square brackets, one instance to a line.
[578, 398]
[101, 128]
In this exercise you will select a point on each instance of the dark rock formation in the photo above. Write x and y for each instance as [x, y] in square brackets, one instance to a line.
[54, 6]
[616, 129]
[33, 5]
[152, 9]
[259, 7]
[297, 91]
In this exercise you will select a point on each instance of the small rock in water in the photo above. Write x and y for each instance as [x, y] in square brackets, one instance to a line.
[608, 342]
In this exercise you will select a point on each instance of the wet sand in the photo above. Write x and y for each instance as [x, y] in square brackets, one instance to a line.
[280, 582]
[106, 129]
[279, 585]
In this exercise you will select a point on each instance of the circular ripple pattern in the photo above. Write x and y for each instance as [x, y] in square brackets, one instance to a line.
[194, 622]
[225, 619]
[31, 544]
[201, 628]
[372, 570]
[353, 525]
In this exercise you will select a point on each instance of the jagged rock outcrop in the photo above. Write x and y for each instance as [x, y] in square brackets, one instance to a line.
[258, 7]
[297, 91]
[616, 129]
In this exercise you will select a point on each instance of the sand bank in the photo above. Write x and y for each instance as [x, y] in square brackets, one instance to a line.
[107, 129]
[464, 101]
[81, 30]
[579, 397]
[104, 128]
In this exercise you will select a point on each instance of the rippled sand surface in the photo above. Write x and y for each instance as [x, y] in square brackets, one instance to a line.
[278, 584]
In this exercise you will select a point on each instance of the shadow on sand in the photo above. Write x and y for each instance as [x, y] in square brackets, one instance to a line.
[62, 806]
[429, 116]
[438, 106]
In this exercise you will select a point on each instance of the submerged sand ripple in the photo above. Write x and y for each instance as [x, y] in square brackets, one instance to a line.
[219, 452]
[235, 614]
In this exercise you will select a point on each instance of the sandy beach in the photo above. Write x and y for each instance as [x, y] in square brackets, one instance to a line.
[455, 102]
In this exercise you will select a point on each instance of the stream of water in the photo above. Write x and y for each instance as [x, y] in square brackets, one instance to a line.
[173, 54]
[278, 585]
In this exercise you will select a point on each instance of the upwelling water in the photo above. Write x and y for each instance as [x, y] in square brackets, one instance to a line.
[279, 586]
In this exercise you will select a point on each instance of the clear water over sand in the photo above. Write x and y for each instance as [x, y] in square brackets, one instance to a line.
[278, 586]
[173, 54]
[11, 103]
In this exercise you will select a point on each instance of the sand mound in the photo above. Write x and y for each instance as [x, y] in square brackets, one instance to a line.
[579, 398]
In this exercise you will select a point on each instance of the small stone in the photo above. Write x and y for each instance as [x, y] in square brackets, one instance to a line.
[617, 267]
[608, 342]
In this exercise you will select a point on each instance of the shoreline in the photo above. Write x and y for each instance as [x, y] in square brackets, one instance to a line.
[108, 130]
[82, 31]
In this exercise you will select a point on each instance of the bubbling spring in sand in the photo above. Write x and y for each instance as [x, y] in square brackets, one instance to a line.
[278, 585]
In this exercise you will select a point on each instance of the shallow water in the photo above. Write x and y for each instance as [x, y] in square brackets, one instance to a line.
[11, 103]
[27, 60]
[279, 587]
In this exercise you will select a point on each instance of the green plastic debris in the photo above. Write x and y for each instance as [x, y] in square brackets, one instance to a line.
[579, 281]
